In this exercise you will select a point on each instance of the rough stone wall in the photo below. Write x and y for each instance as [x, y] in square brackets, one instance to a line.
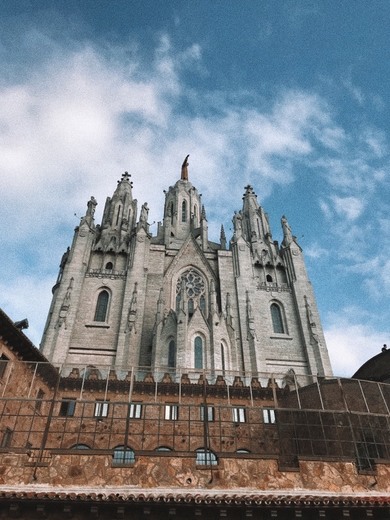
[67, 471]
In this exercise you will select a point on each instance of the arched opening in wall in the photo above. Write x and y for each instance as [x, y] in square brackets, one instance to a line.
[184, 211]
[109, 266]
[205, 457]
[123, 456]
[172, 354]
[102, 306]
[178, 298]
[202, 304]
[80, 447]
[277, 319]
[198, 352]
[269, 278]
[195, 215]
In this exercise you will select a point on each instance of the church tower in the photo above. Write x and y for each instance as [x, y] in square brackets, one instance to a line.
[125, 298]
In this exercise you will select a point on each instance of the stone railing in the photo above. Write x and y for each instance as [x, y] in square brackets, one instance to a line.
[106, 273]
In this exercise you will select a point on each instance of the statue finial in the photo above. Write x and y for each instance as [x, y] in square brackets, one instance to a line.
[184, 169]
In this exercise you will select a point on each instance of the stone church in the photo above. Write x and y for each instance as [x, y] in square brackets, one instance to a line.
[125, 298]
[182, 378]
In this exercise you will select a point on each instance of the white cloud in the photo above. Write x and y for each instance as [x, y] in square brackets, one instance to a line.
[356, 92]
[316, 251]
[350, 208]
[27, 296]
[87, 113]
[376, 141]
[351, 341]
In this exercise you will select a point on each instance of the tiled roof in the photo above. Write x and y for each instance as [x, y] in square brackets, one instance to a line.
[198, 497]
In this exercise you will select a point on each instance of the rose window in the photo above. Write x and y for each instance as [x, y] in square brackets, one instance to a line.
[195, 289]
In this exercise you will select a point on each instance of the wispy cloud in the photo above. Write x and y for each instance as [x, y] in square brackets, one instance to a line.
[88, 111]
[351, 341]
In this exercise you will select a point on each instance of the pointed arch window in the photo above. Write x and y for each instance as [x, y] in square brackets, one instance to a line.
[198, 352]
[184, 211]
[102, 306]
[202, 304]
[171, 354]
[277, 319]
[190, 307]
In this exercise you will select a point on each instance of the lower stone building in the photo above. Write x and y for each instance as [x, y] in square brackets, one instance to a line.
[100, 442]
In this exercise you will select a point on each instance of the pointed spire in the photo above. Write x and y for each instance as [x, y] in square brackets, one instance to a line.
[184, 169]
[222, 238]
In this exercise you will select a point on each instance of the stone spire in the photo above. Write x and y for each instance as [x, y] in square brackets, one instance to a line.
[119, 218]
[222, 238]
[183, 212]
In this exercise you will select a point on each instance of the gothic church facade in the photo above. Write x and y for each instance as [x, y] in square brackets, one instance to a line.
[125, 298]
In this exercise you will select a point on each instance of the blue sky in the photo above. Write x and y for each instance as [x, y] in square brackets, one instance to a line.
[290, 96]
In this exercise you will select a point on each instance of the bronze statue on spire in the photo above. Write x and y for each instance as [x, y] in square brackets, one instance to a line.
[184, 169]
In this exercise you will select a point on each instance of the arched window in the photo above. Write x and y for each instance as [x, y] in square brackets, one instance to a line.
[80, 447]
[205, 458]
[195, 215]
[184, 211]
[269, 278]
[109, 266]
[190, 307]
[202, 304]
[123, 455]
[277, 320]
[102, 306]
[172, 354]
[198, 351]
